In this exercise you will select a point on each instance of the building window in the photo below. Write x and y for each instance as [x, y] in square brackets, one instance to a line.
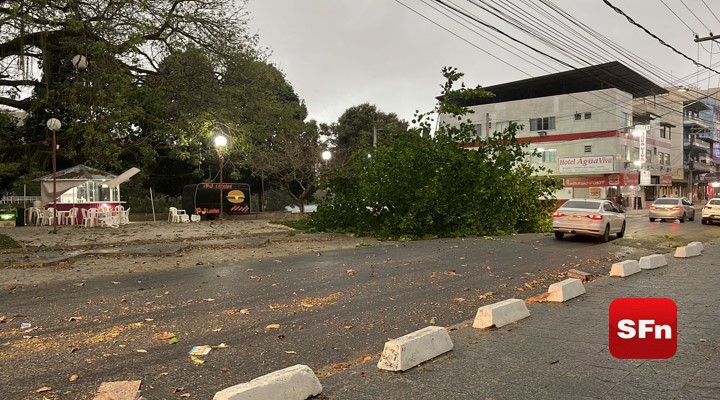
[501, 126]
[626, 152]
[627, 120]
[588, 115]
[545, 156]
[636, 154]
[540, 124]
[478, 131]
[663, 133]
[578, 116]
[588, 149]
[648, 155]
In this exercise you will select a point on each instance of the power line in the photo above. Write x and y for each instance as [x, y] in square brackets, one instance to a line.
[632, 21]
[461, 38]
[711, 11]
[678, 17]
[695, 15]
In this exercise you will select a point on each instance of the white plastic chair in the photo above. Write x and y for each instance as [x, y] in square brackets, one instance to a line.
[176, 215]
[71, 217]
[124, 217]
[47, 216]
[89, 217]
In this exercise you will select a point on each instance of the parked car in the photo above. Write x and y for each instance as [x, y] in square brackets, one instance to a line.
[711, 211]
[589, 217]
[673, 208]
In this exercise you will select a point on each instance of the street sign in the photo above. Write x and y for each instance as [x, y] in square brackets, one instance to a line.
[642, 127]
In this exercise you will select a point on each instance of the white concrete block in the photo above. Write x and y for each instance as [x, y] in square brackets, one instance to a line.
[501, 313]
[414, 348]
[688, 251]
[292, 383]
[699, 244]
[652, 261]
[625, 268]
[565, 290]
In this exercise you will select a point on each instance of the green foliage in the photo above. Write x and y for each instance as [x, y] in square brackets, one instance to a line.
[6, 242]
[421, 185]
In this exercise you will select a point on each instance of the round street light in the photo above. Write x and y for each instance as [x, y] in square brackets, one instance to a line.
[54, 125]
[220, 142]
[326, 155]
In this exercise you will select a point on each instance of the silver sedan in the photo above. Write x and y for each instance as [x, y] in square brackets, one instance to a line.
[589, 217]
[672, 208]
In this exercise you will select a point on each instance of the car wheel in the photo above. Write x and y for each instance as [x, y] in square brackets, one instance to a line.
[606, 235]
[622, 231]
[559, 235]
[682, 219]
[651, 219]
[704, 221]
[692, 218]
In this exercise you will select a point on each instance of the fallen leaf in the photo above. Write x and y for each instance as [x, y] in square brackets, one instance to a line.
[3, 319]
[173, 340]
[348, 326]
[224, 369]
[149, 320]
[71, 319]
[273, 326]
[208, 299]
[44, 389]
[185, 395]
[164, 336]
[73, 377]
[115, 283]
[527, 285]
[350, 272]
[432, 321]
[179, 389]
[341, 367]
[197, 360]
[366, 359]
[290, 352]
[220, 346]
[80, 284]
[141, 351]
[217, 329]
[450, 273]
[458, 300]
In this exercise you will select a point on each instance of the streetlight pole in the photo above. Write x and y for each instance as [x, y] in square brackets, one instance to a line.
[220, 142]
[638, 165]
[54, 125]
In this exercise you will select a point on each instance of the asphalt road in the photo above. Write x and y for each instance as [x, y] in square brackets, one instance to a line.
[328, 310]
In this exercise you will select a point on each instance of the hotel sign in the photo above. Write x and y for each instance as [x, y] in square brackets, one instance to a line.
[588, 165]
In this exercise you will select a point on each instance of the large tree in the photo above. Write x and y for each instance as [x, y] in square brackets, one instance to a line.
[139, 86]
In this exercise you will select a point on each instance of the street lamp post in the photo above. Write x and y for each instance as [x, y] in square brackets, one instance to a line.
[220, 142]
[326, 155]
[54, 125]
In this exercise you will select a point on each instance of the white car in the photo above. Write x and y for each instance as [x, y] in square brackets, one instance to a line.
[589, 217]
[711, 211]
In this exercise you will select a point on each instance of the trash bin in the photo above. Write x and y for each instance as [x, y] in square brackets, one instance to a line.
[20, 216]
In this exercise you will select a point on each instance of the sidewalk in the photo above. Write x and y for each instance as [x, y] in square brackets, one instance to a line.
[561, 350]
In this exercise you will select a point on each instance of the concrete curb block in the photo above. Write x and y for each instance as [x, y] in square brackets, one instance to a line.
[690, 250]
[652, 261]
[625, 268]
[500, 313]
[414, 348]
[565, 290]
[292, 383]
[699, 244]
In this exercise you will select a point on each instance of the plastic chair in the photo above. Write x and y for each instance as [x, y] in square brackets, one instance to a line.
[47, 216]
[176, 215]
[124, 217]
[71, 217]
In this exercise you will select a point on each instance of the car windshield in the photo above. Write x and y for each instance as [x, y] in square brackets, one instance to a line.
[714, 202]
[666, 201]
[587, 205]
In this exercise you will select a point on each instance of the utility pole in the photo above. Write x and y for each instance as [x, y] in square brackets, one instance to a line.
[703, 39]
[374, 136]
[690, 168]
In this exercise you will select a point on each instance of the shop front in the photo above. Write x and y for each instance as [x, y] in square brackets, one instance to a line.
[607, 186]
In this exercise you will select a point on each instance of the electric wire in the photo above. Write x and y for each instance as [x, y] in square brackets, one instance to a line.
[695, 15]
[711, 11]
[632, 21]
[694, 32]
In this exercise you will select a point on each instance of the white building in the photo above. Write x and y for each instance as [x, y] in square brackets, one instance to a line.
[582, 123]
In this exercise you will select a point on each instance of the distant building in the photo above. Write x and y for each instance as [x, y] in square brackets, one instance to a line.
[583, 123]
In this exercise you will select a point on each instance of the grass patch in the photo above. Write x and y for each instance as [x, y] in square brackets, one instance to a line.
[300, 224]
[6, 242]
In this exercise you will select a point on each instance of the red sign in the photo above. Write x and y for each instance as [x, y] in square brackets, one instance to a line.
[665, 180]
[642, 328]
[599, 181]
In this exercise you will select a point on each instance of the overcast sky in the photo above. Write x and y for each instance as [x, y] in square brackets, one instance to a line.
[341, 53]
